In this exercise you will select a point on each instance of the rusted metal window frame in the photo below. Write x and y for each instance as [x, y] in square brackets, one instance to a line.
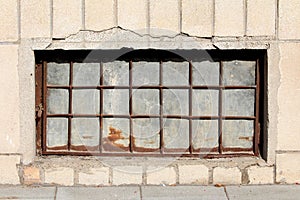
[220, 151]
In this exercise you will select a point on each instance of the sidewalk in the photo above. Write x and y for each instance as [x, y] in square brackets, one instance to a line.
[274, 192]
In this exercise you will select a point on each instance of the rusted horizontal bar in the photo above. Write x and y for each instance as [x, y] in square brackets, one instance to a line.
[204, 155]
[239, 117]
[83, 148]
[210, 87]
[155, 116]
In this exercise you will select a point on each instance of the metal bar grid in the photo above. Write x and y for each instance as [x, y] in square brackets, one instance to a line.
[161, 116]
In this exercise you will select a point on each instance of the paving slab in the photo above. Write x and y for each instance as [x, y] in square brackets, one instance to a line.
[99, 193]
[19, 192]
[183, 193]
[263, 192]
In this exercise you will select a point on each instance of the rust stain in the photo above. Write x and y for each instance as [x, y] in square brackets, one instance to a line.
[87, 137]
[114, 134]
[245, 138]
[150, 142]
[110, 142]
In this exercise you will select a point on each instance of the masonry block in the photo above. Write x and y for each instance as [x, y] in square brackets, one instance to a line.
[289, 19]
[201, 21]
[31, 175]
[95, 176]
[9, 99]
[99, 15]
[132, 14]
[164, 17]
[9, 20]
[9, 169]
[127, 175]
[260, 175]
[229, 18]
[193, 174]
[157, 176]
[288, 168]
[60, 176]
[288, 97]
[67, 17]
[261, 17]
[227, 176]
[35, 18]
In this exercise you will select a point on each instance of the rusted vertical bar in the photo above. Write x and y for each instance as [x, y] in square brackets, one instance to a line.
[39, 105]
[257, 127]
[220, 109]
[131, 144]
[161, 130]
[190, 107]
[44, 136]
[101, 108]
[70, 105]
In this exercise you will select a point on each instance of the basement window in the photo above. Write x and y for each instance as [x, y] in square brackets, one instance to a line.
[149, 102]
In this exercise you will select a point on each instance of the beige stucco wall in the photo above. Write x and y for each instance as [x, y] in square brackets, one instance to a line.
[103, 24]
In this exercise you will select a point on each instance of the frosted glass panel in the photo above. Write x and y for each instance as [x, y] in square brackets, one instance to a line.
[116, 102]
[175, 102]
[175, 73]
[238, 133]
[86, 101]
[146, 133]
[115, 134]
[238, 102]
[145, 73]
[239, 73]
[176, 133]
[57, 132]
[85, 131]
[145, 102]
[86, 74]
[205, 102]
[58, 74]
[206, 73]
[205, 134]
[58, 101]
[116, 73]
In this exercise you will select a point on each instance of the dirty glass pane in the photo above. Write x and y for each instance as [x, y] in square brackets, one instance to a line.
[58, 74]
[175, 102]
[58, 101]
[57, 132]
[238, 133]
[115, 134]
[238, 102]
[86, 101]
[175, 73]
[145, 102]
[116, 73]
[85, 131]
[176, 133]
[206, 73]
[146, 133]
[205, 134]
[86, 74]
[205, 102]
[239, 73]
[116, 102]
[145, 73]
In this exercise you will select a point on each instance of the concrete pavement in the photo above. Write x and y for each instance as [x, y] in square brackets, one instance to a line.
[257, 192]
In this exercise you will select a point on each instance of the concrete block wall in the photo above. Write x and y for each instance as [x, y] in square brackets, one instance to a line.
[207, 24]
